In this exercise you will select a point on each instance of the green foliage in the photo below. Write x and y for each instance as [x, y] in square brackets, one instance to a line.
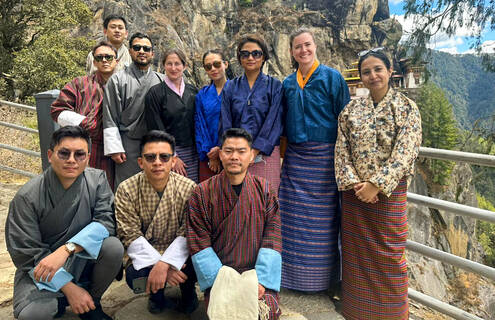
[250, 3]
[486, 232]
[439, 128]
[30, 25]
[433, 17]
[44, 66]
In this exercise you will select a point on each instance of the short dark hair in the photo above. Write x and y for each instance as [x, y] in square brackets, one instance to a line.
[113, 17]
[69, 132]
[104, 44]
[157, 136]
[236, 133]
[377, 54]
[178, 52]
[256, 39]
[140, 35]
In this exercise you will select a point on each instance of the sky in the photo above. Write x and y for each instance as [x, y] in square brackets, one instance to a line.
[456, 45]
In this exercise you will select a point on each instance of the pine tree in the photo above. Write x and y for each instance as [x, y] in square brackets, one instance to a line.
[439, 128]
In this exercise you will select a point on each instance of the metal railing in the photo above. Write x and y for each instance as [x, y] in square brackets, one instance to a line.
[17, 149]
[453, 208]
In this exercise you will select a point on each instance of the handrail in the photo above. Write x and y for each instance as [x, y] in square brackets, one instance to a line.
[452, 207]
[452, 259]
[15, 126]
[441, 306]
[458, 156]
[18, 105]
[21, 150]
[18, 171]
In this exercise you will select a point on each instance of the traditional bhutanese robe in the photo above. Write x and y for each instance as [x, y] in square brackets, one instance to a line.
[308, 192]
[242, 232]
[151, 227]
[123, 55]
[123, 116]
[378, 144]
[79, 104]
[208, 105]
[259, 111]
[167, 111]
[43, 216]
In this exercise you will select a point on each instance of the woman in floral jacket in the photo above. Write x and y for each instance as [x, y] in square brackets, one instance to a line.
[378, 141]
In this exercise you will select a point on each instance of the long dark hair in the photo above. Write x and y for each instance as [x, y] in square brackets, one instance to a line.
[379, 55]
[292, 36]
[228, 72]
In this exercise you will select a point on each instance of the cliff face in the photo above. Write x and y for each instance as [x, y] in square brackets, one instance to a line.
[342, 27]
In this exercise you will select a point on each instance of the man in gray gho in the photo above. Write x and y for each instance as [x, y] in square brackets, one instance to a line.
[123, 108]
[60, 234]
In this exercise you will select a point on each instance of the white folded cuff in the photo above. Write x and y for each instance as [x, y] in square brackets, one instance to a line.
[112, 143]
[69, 118]
[142, 253]
[176, 253]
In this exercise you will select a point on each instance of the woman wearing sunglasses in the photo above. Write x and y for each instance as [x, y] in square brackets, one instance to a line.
[378, 142]
[170, 107]
[253, 102]
[315, 95]
[208, 104]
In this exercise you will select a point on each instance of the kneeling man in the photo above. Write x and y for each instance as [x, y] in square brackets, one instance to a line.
[234, 221]
[151, 208]
[59, 234]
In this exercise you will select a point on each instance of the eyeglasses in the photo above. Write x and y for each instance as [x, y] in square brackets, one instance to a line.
[151, 157]
[365, 52]
[108, 57]
[137, 48]
[244, 54]
[79, 155]
[216, 64]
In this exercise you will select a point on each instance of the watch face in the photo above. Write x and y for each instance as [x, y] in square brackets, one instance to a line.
[70, 246]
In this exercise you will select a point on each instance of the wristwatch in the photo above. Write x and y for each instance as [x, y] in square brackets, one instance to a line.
[70, 248]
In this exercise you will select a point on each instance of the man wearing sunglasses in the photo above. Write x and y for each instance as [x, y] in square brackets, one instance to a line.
[115, 32]
[80, 102]
[150, 208]
[60, 234]
[123, 108]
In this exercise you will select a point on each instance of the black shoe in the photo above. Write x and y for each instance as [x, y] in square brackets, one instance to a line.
[189, 304]
[159, 305]
[96, 314]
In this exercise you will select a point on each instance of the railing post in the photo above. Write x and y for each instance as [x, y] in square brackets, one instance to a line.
[46, 125]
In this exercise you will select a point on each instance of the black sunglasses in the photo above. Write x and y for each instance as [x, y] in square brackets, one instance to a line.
[244, 54]
[365, 52]
[79, 155]
[137, 48]
[151, 157]
[108, 57]
[216, 64]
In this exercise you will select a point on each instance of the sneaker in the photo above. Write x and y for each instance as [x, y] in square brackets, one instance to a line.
[96, 314]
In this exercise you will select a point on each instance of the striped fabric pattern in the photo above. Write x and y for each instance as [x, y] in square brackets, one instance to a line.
[99, 161]
[310, 217]
[374, 270]
[190, 157]
[269, 168]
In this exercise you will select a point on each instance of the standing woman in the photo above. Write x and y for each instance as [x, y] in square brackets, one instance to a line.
[378, 142]
[315, 95]
[208, 105]
[170, 108]
[253, 102]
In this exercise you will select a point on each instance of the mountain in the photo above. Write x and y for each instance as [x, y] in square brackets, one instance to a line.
[469, 88]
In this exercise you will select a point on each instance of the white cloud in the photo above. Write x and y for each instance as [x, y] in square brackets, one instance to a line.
[486, 47]
[451, 50]
[395, 1]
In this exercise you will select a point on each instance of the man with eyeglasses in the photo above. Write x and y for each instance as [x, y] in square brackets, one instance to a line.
[123, 107]
[150, 208]
[60, 234]
[115, 32]
[80, 102]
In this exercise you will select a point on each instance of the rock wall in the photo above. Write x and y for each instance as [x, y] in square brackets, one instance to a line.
[342, 28]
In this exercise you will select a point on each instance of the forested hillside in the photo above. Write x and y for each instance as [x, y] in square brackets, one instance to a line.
[469, 88]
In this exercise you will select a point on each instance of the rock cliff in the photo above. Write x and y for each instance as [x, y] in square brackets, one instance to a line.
[342, 27]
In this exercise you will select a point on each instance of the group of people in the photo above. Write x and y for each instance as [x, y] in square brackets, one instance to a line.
[199, 182]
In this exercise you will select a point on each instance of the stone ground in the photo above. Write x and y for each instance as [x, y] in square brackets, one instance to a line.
[122, 304]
